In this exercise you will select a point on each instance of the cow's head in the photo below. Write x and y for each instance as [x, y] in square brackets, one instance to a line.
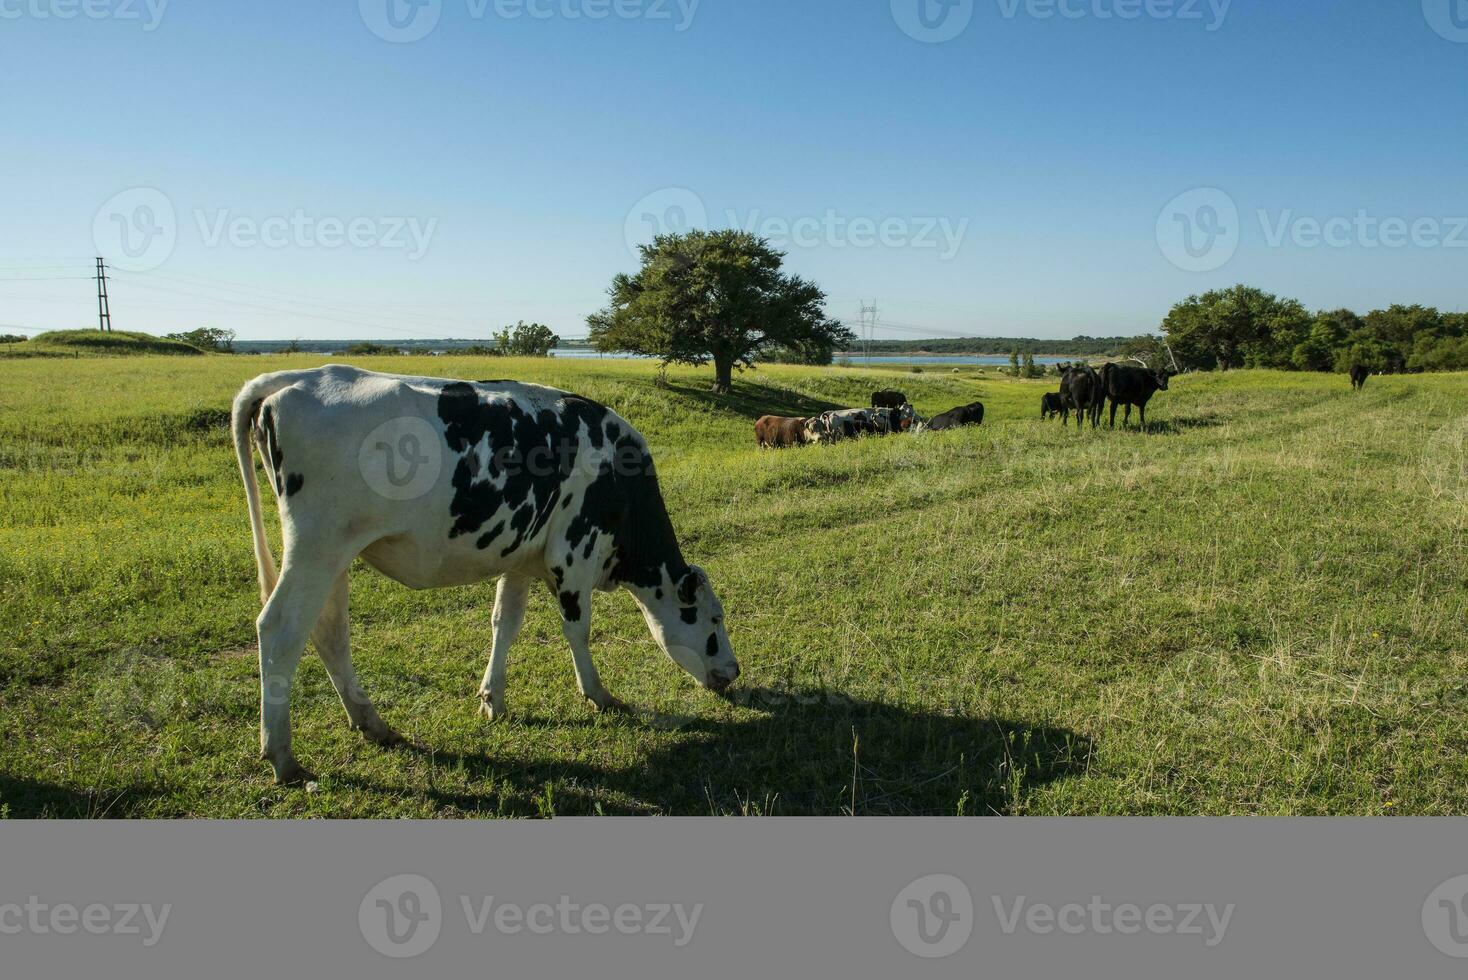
[687, 621]
[813, 430]
[1162, 375]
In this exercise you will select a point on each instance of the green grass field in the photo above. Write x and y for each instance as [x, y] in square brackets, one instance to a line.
[1256, 608]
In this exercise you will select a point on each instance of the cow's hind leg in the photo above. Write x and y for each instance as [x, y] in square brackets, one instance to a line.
[509, 613]
[288, 618]
[576, 624]
[332, 637]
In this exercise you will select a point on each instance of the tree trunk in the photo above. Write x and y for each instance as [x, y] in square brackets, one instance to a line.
[723, 373]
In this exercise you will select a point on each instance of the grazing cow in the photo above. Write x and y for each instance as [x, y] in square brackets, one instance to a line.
[1082, 391]
[1051, 403]
[848, 423]
[774, 431]
[438, 483]
[1128, 385]
[1359, 374]
[955, 417]
[888, 398]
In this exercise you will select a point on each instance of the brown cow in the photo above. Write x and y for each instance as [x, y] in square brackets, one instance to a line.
[776, 431]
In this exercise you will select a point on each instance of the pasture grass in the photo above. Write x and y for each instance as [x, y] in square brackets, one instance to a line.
[1256, 607]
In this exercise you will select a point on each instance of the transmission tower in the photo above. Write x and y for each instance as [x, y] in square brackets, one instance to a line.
[868, 328]
[104, 310]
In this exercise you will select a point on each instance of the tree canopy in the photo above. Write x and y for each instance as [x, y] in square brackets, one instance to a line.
[1247, 327]
[715, 296]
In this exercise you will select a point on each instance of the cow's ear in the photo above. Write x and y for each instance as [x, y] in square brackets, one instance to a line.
[689, 585]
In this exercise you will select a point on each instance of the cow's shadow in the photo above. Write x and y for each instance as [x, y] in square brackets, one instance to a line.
[752, 399]
[811, 752]
[26, 798]
[1171, 426]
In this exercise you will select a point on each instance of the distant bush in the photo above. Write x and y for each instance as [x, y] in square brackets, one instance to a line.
[368, 350]
[207, 338]
[11, 338]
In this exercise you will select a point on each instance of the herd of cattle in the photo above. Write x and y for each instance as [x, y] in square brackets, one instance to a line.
[1084, 390]
[890, 413]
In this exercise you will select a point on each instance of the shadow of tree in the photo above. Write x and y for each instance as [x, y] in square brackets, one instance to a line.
[26, 798]
[752, 399]
[804, 753]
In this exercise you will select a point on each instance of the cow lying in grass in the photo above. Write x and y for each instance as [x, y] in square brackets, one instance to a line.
[439, 483]
[777, 432]
[954, 418]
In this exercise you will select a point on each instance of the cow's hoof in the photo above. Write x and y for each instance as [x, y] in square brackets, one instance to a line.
[489, 711]
[607, 703]
[384, 735]
[293, 774]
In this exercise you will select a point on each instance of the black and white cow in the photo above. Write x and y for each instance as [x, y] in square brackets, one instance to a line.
[437, 483]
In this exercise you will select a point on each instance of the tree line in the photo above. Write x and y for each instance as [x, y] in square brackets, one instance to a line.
[1244, 327]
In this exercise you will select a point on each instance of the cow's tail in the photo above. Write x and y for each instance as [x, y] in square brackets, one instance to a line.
[242, 422]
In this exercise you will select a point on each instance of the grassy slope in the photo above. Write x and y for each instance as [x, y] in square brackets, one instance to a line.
[115, 343]
[1257, 608]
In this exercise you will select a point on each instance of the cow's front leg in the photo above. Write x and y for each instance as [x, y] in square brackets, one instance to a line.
[576, 624]
[509, 613]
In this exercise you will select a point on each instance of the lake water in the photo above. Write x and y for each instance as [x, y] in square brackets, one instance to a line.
[860, 360]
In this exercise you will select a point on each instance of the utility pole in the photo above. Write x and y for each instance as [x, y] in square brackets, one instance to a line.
[104, 309]
[868, 327]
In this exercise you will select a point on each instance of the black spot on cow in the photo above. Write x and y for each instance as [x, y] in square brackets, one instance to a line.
[485, 540]
[689, 614]
[571, 606]
[293, 484]
[560, 575]
[658, 594]
[712, 649]
[570, 559]
[530, 454]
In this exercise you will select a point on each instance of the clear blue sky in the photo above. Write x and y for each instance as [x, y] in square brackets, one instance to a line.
[522, 144]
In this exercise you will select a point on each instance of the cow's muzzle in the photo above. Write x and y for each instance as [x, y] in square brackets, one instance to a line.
[719, 680]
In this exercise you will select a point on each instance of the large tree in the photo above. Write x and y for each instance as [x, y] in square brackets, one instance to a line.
[1235, 327]
[715, 296]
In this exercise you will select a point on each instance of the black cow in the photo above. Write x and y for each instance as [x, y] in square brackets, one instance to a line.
[1359, 374]
[1082, 390]
[956, 417]
[1051, 403]
[1127, 385]
[888, 398]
